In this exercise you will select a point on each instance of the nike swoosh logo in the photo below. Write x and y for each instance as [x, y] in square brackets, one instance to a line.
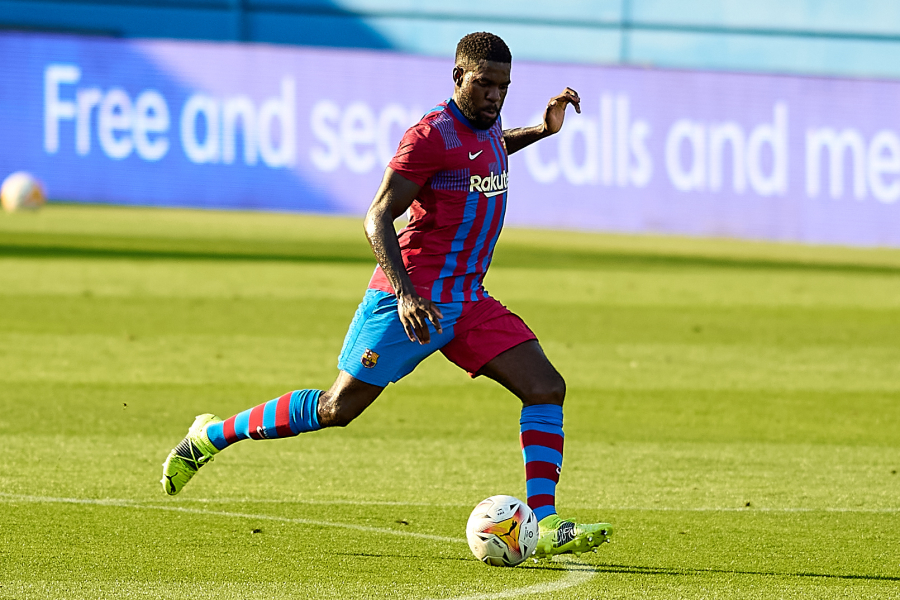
[494, 193]
[476, 155]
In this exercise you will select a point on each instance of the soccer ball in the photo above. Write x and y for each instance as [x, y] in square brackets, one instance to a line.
[502, 531]
[21, 191]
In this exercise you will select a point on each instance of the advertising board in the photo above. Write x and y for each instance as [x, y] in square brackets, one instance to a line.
[244, 126]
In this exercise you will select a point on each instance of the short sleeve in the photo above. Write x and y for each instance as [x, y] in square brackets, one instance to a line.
[420, 154]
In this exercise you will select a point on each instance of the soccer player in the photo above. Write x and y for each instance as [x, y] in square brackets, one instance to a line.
[450, 173]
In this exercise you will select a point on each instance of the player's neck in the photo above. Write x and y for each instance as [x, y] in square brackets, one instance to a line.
[457, 111]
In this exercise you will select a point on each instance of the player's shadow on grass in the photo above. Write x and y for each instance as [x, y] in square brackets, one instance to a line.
[540, 566]
[634, 570]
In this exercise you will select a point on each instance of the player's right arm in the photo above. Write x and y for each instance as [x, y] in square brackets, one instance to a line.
[394, 197]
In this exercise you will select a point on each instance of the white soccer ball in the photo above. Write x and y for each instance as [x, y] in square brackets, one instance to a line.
[502, 531]
[21, 191]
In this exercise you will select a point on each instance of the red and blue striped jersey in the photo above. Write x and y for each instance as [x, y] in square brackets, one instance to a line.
[456, 219]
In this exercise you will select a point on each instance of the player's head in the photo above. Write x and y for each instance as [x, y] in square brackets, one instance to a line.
[481, 75]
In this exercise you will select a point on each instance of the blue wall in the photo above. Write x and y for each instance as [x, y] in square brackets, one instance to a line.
[834, 37]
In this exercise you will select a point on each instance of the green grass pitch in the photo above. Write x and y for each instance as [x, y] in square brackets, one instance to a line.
[733, 408]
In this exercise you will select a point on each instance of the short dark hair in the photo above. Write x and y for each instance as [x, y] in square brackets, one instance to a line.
[480, 46]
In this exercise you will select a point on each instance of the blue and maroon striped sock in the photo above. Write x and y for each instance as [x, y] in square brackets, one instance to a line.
[542, 447]
[294, 413]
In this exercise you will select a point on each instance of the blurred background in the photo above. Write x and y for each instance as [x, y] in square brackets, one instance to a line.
[768, 120]
[829, 37]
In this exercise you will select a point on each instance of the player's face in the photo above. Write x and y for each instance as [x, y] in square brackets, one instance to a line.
[481, 90]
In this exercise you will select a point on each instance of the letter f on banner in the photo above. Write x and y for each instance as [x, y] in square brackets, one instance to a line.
[54, 108]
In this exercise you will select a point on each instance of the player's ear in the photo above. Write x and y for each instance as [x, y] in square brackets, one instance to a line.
[458, 73]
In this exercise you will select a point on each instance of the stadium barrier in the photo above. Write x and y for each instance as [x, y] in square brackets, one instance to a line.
[252, 126]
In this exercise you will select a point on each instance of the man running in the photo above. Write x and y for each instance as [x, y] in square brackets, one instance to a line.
[450, 173]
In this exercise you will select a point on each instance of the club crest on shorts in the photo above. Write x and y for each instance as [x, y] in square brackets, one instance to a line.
[369, 359]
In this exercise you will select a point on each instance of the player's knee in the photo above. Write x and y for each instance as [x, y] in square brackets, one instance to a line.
[345, 400]
[334, 413]
[549, 390]
[334, 416]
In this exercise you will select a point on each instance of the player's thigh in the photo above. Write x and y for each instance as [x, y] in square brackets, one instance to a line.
[527, 372]
[376, 349]
[485, 330]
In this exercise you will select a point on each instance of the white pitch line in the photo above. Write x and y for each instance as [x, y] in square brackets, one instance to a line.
[577, 573]
[342, 501]
[49, 499]
[573, 577]
[219, 513]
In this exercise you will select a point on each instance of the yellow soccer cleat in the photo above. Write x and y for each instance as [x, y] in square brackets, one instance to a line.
[194, 451]
[566, 537]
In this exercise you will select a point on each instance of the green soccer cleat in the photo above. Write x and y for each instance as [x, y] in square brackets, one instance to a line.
[194, 451]
[565, 537]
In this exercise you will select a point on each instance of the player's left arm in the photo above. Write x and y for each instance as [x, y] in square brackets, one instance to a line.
[554, 115]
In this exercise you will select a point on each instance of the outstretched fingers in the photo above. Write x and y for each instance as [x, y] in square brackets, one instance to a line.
[569, 96]
[415, 314]
[556, 110]
[416, 328]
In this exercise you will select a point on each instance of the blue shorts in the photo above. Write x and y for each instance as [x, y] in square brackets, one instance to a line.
[378, 351]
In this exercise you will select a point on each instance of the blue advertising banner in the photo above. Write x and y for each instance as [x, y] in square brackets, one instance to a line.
[219, 125]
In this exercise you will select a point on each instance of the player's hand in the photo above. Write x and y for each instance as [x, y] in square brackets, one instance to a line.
[415, 314]
[555, 113]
